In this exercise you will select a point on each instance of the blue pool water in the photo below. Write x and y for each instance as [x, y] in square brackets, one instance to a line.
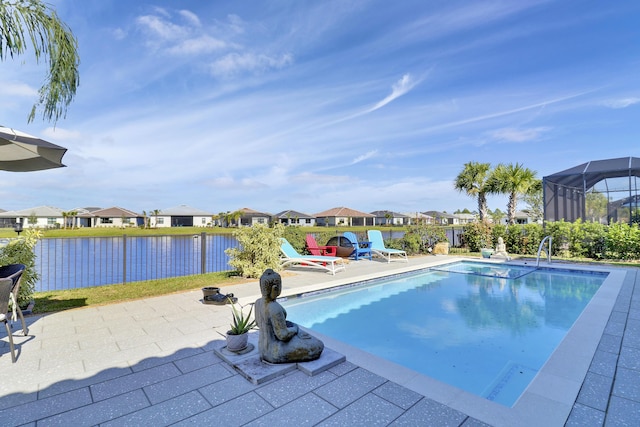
[486, 333]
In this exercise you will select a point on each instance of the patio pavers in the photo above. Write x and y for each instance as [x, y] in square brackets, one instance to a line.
[153, 362]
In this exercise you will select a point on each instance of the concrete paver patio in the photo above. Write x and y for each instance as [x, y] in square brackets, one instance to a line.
[152, 362]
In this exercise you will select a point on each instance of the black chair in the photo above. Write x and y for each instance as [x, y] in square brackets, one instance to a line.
[5, 292]
[14, 272]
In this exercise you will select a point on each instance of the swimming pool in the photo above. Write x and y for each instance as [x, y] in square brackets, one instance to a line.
[488, 330]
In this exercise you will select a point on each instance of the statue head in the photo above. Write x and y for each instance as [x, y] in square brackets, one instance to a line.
[270, 284]
[500, 240]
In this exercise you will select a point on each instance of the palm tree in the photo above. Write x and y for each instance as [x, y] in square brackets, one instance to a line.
[73, 215]
[214, 219]
[514, 180]
[33, 23]
[473, 181]
[235, 216]
[155, 213]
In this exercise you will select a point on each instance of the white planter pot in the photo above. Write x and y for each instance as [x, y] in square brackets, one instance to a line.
[237, 342]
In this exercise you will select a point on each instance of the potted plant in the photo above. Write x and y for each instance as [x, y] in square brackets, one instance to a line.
[238, 334]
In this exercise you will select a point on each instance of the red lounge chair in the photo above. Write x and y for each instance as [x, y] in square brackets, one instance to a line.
[314, 249]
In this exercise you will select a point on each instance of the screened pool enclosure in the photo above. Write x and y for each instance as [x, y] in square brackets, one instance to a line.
[604, 191]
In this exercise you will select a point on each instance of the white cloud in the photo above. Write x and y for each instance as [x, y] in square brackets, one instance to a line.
[401, 87]
[518, 135]
[61, 134]
[119, 33]
[199, 45]
[234, 63]
[17, 89]
[364, 157]
[191, 17]
[621, 103]
[161, 28]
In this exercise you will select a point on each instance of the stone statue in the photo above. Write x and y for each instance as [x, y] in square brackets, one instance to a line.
[280, 341]
[501, 250]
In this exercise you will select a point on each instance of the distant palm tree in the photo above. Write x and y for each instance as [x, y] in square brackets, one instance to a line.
[473, 181]
[214, 219]
[235, 216]
[73, 215]
[513, 180]
[155, 213]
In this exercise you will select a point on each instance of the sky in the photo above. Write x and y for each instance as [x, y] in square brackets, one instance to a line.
[301, 105]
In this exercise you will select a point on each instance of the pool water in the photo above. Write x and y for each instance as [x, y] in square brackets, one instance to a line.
[488, 334]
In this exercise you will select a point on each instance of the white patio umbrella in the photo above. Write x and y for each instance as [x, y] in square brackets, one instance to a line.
[21, 152]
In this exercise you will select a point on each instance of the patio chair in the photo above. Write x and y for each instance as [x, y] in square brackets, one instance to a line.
[5, 292]
[14, 272]
[360, 249]
[291, 257]
[314, 249]
[378, 248]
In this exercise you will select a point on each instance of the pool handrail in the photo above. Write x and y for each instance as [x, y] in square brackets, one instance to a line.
[550, 239]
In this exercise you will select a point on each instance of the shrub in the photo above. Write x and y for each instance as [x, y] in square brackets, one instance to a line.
[21, 251]
[477, 235]
[623, 241]
[560, 231]
[259, 249]
[420, 238]
[296, 236]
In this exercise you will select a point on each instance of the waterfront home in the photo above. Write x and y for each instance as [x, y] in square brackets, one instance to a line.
[180, 216]
[112, 217]
[443, 218]
[38, 217]
[250, 217]
[416, 218]
[290, 217]
[465, 218]
[389, 218]
[342, 216]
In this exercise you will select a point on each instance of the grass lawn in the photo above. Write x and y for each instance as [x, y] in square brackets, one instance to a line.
[50, 301]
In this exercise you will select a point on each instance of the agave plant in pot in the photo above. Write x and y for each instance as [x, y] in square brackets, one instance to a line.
[238, 334]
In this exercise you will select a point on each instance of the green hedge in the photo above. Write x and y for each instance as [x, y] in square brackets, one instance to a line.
[571, 240]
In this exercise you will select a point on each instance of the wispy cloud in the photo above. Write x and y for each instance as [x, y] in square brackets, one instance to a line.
[518, 135]
[161, 28]
[621, 103]
[198, 45]
[17, 89]
[364, 157]
[191, 17]
[235, 63]
[401, 87]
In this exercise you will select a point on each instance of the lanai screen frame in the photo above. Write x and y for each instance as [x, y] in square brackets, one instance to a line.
[564, 193]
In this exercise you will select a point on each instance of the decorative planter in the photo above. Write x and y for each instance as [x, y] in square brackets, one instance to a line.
[441, 248]
[237, 343]
[486, 252]
[209, 290]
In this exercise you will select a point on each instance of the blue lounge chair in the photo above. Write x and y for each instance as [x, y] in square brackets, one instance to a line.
[377, 246]
[290, 256]
[360, 249]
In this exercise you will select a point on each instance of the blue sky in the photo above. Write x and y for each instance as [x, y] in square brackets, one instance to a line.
[303, 105]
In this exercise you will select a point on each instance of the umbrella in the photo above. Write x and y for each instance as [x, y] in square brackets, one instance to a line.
[21, 152]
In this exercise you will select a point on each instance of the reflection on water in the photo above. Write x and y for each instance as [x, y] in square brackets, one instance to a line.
[488, 336]
[94, 261]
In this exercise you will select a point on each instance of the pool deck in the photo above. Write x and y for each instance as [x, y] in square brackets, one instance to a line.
[153, 362]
